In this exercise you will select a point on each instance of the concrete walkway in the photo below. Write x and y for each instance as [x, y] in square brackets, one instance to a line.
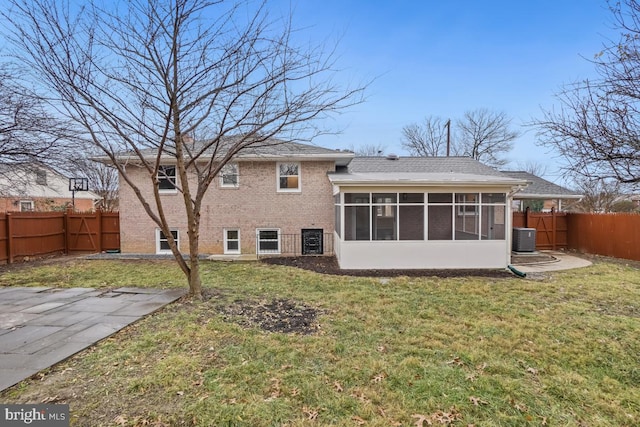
[40, 327]
[558, 261]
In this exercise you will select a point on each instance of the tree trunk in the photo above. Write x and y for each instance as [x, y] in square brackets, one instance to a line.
[195, 284]
[193, 221]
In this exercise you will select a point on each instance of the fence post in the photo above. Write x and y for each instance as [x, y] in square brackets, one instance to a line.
[65, 226]
[526, 217]
[99, 238]
[554, 228]
[9, 239]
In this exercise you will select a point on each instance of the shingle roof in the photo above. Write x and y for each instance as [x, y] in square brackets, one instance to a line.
[540, 188]
[271, 149]
[420, 165]
[457, 171]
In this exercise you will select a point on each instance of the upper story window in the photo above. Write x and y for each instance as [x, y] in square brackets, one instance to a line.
[229, 176]
[41, 177]
[289, 177]
[167, 179]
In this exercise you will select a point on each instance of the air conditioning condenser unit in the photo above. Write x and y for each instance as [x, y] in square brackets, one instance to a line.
[523, 240]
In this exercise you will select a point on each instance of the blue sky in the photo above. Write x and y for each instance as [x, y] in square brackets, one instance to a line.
[443, 58]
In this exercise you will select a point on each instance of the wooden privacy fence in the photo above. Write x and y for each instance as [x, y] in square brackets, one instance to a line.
[552, 228]
[27, 234]
[612, 234]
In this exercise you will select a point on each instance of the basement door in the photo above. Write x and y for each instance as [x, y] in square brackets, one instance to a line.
[312, 241]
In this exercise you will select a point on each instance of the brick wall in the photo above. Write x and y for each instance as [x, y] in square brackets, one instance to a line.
[45, 204]
[256, 203]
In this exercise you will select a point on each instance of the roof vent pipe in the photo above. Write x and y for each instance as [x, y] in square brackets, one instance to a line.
[392, 156]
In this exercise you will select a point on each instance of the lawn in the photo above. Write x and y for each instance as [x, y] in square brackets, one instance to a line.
[563, 350]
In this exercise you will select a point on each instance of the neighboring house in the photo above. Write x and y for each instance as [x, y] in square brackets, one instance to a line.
[626, 203]
[29, 187]
[540, 194]
[382, 212]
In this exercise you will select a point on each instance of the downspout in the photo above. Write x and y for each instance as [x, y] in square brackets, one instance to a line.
[516, 271]
[509, 228]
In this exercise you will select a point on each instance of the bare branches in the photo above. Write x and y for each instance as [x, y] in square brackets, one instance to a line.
[143, 78]
[596, 124]
[481, 134]
[28, 131]
[486, 136]
[426, 139]
[369, 150]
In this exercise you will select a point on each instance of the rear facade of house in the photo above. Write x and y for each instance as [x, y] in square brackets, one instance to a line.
[295, 199]
[265, 203]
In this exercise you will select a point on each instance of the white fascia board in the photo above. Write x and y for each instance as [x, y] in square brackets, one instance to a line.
[547, 196]
[460, 181]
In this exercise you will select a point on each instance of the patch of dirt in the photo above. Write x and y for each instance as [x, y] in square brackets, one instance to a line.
[534, 258]
[278, 315]
[329, 265]
[29, 262]
[601, 258]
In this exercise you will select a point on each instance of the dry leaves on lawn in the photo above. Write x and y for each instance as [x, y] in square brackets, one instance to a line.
[439, 417]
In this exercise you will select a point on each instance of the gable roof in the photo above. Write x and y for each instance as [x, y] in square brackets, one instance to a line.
[271, 149]
[540, 188]
[457, 171]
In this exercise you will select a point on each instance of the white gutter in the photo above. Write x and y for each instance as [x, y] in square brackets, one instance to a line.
[427, 182]
[549, 196]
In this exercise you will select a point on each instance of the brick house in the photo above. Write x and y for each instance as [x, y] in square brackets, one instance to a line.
[264, 195]
[39, 188]
[440, 212]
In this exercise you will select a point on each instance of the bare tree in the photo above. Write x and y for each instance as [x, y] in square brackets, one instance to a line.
[369, 150]
[147, 75]
[29, 133]
[426, 139]
[534, 168]
[599, 195]
[596, 124]
[486, 136]
[102, 179]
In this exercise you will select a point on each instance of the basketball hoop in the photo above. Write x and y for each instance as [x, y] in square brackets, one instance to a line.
[77, 184]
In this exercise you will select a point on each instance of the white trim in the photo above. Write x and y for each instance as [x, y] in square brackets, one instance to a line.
[433, 254]
[166, 251]
[237, 183]
[227, 240]
[33, 207]
[268, 251]
[288, 190]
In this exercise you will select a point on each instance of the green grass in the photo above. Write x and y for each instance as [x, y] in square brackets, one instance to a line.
[486, 352]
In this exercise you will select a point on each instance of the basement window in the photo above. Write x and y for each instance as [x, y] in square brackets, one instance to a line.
[162, 243]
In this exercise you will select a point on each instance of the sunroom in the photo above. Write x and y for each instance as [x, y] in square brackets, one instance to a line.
[428, 220]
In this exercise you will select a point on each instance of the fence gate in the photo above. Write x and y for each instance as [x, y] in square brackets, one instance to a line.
[551, 228]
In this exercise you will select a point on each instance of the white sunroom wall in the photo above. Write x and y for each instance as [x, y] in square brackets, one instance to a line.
[422, 254]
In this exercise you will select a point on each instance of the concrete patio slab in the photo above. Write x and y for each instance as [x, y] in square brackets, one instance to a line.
[42, 326]
[559, 261]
